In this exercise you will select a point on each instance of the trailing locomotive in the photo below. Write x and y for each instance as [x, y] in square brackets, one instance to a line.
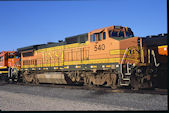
[159, 44]
[9, 65]
[109, 56]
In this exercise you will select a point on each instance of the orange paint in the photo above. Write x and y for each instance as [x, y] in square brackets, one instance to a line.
[94, 50]
[163, 50]
[9, 59]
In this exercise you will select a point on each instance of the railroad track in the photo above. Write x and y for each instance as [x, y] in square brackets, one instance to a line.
[101, 89]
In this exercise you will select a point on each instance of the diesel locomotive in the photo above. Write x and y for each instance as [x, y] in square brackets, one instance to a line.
[111, 56]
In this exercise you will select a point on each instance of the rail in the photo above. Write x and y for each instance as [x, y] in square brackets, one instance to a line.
[121, 71]
[155, 61]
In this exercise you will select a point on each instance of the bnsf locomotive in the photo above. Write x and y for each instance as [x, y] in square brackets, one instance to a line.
[109, 56]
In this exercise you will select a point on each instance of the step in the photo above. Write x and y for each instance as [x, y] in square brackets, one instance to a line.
[126, 79]
[124, 84]
[127, 73]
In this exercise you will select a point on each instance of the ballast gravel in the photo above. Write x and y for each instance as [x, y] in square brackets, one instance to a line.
[38, 98]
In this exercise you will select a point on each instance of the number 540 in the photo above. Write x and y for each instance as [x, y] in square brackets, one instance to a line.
[99, 47]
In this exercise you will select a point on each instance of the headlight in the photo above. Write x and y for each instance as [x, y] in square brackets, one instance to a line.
[117, 65]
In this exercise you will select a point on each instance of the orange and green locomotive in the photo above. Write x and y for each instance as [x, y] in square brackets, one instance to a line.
[109, 56]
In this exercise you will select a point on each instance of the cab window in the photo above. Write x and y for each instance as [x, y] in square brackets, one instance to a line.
[92, 38]
[10, 56]
[104, 35]
[129, 34]
[113, 34]
[100, 36]
[97, 36]
[6, 57]
[27, 54]
[121, 34]
[1, 59]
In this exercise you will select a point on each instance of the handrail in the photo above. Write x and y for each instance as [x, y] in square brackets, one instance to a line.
[155, 61]
[122, 62]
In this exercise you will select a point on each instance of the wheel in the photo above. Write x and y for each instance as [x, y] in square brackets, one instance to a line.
[135, 85]
[27, 77]
[114, 81]
[35, 80]
[14, 75]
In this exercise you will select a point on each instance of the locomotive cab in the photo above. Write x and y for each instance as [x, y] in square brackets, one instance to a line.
[9, 64]
[13, 60]
[9, 59]
[111, 42]
[115, 32]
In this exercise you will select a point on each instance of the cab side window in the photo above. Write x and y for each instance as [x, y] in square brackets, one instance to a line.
[1, 59]
[113, 34]
[10, 56]
[92, 38]
[17, 57]
[104, 35]
[129, 34]
[100, 36]
[121, 34]
[97, 37]
[6, 57]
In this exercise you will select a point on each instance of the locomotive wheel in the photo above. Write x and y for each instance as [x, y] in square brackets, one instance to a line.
[135, 78]
[14, 74]
[91, 83]
[134, 84]
[35, 80]
[28, 78]
[114, 79]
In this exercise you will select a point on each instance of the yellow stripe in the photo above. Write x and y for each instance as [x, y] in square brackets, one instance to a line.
[78, 66]
[162, 46]
[93, 66]
[55, 67]
[63, 47]
[3, 67]
[3, 72]
[66, 67]
[94, 61]
[45, 68]
[108, 66]
[116, 52]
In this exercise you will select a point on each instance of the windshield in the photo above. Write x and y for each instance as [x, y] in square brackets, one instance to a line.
[11, 56]
[120, 34]
[129, 34]
[116, 33]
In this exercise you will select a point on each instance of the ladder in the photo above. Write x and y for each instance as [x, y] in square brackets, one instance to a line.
[125, 78]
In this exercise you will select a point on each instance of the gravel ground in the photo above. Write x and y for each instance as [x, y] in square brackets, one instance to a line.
[37, 98]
